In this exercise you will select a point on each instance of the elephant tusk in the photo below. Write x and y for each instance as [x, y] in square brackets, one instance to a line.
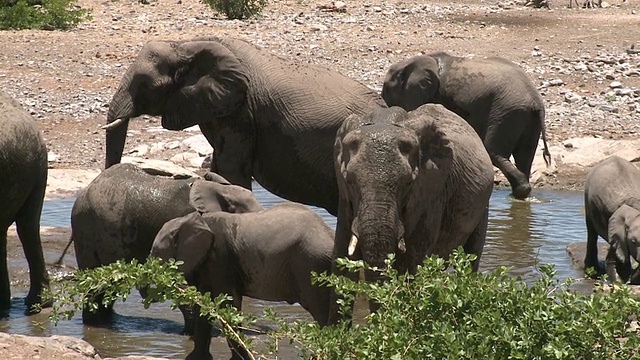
[352, 245]
[402, 246]
[112, 125]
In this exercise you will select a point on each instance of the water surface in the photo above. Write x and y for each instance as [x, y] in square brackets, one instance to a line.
[521, 235]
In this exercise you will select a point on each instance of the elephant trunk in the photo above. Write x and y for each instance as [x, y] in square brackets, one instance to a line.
[120, 110]
[380, 232]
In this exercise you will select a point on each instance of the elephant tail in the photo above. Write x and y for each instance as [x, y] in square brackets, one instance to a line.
[545, 152]
[64, 252]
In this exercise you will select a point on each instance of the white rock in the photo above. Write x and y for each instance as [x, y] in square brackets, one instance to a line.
[52, 157]
[199, 144]
[615, 84]
[140, 150]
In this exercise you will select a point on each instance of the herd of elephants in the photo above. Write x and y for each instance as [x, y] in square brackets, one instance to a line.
[408, 172]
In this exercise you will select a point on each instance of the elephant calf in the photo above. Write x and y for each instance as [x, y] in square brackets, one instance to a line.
[119, 214]
[494, 95]
[612, 211]
[265, 255]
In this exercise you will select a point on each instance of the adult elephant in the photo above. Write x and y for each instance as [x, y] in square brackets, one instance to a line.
[612, 211]
[23, 179]
[266, 117]
[266, 255]
[411, 184]
[119, 214]
[494, 95]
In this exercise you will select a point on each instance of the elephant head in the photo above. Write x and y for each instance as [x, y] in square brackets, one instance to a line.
[187, 83]
[624, 238]
[187, 239]
[211, 195]
[381, 161]
[412, 82]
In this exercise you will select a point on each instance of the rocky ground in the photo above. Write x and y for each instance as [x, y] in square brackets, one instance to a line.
[586, 63]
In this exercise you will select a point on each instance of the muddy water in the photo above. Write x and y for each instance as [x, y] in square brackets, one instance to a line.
[521, 235]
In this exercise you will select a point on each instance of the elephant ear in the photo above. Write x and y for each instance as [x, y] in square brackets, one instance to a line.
[206, 197]
[187, 239]
[412, 83]
[211, 82]
[215, 177]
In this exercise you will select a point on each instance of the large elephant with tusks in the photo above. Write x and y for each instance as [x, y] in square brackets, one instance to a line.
[412, 184]
[266, 117]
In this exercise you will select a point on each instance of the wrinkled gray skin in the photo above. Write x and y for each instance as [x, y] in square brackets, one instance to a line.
[412, 184]
[266, 117]
[119, 214]
[612, 211]
[266, 255]
[494, 95]
[23, 179]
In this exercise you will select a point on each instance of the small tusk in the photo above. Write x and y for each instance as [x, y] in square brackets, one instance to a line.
[352, 245]
[402, 246]
[112, 125]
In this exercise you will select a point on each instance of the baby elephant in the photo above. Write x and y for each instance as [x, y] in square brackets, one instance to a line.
[266, 255]
[612, 203]
[493, 95]
[119, 214]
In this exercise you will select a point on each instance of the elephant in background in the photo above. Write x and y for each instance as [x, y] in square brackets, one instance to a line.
[23, 180]
[119, 214]
[266, 255]
[612, 211]
[266, 117]
[411, 184]
[494, 95]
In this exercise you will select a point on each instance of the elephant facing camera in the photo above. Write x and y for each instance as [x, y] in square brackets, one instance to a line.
[612, 212]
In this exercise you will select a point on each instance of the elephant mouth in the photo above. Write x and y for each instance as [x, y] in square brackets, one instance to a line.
[353, 245]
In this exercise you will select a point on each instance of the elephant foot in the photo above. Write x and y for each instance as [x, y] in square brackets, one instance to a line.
[199, 356]
[34, 303]
[98, 317]
[522, 191]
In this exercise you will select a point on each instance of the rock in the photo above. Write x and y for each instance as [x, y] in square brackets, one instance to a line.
[199, 144]
[62, 183]
[140, 150]
[577, 251]
[615, 84]
[160, 167]
[52, 157]
[52, 347]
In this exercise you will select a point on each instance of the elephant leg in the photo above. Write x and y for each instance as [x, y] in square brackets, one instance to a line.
[233, 153]
[238, 352]
[591, 256]
[342, 237]
[525, 150]
[5, 285]
[101, 315]
[28, 228]
[201, 338]
[475, 241]
[612, 264]
[500, 141]
[189, 319]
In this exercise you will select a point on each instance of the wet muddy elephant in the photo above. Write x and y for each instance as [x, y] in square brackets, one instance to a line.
[119, 214]
[411, 184]
[612, 211]
[266, 255]
[23, 179]
[266, 117]
[494, 95]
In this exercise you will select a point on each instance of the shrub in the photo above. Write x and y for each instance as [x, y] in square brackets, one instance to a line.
[41, 14]
[438, 313]
[237, 9]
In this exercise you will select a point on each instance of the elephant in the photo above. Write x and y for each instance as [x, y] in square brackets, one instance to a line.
[266, 117]
[413, 184]
[494, 95]
[612, 211]
[266, 255]
[23, 175]
[120, 212]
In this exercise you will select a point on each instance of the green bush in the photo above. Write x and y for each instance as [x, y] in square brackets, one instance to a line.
[434, 314]
[237, 9]
[41, 14]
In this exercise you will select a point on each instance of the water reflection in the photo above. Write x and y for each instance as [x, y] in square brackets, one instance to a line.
[521, 235]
